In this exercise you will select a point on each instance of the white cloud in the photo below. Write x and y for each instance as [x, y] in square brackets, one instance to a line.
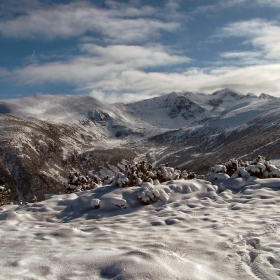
[121, 83]
[248, 3]
[241, 58]
[124, 46]
[228, 4]
[217, 6]
[133, 57]
[173, 5]
[233, 3]
[257, 79]
[4, 73]
[8, 8]
[121, 23]
[124, 62]
[261, 34]
[113, 69]
[271, 3]
[239, 54]
[143, 85]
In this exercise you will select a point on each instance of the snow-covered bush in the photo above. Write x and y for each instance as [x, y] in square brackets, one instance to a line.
[96, 180]
[156, 182]
[184, 175]
[136, 173]
[77, 182]
[217, 172]
[133, 174]
[261, 168]
[120, 180]
[272, 171]
[232, 165]
[107, 181]
[167, 173]
[4, 195]
[219, 169]
[191, 176]
[95, 203]
[148, 193]
[241, 172]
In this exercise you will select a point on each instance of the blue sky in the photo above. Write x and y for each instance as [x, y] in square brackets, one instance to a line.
[123, 51]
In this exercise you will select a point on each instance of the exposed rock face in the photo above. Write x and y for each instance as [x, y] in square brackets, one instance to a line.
[184, 107]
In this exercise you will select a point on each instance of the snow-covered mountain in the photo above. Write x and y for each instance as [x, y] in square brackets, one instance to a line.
[43, 137]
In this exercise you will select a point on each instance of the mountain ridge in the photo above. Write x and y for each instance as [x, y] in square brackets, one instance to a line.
[43, 137]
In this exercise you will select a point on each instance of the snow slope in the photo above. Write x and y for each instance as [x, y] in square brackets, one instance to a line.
[193, 232]
[177, 110]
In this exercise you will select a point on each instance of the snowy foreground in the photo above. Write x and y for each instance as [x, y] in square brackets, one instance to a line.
[191, 232]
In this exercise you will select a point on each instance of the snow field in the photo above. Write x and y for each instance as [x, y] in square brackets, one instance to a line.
[191, 232]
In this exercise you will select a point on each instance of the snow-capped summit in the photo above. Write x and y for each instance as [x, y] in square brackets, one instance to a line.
[174, 109]
[227, 92]
[267, 96]
[251, 95]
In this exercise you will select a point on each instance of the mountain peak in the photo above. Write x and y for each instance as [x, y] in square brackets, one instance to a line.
[175, 94]
[266, 96]
[250, 95]
[226, 92]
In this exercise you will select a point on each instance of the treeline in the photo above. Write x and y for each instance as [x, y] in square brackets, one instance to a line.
[136, 174]
[132, 175]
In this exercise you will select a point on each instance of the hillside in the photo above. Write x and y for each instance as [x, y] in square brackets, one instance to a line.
[43, 137]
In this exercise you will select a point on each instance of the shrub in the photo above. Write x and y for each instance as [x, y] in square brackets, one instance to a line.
[4, 195]
[148, 193]
[261, 168]
[133, 174]
[78, 182]
[137, 173]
